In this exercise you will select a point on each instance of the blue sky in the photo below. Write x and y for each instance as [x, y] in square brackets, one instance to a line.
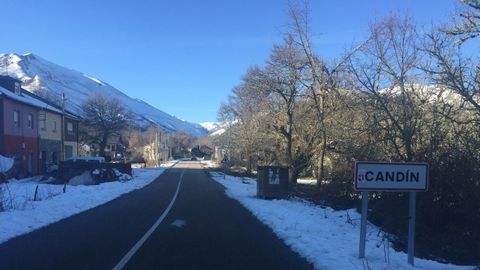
[181, 56]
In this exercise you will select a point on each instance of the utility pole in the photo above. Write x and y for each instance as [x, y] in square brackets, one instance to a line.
[156, 147]
[168, 144]
[160, 146]
[63, 127]
[170, 157]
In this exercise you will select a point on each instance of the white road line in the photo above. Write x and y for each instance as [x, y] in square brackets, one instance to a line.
[142, 240]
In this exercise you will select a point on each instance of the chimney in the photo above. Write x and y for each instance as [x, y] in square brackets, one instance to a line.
[11, 84]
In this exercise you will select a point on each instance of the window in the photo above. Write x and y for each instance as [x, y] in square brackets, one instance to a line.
[30, 120]
[16, 119]
[54, 126]
[68, 151]
[54, 157]
[42, 124]
[18, 90]
[69, 127]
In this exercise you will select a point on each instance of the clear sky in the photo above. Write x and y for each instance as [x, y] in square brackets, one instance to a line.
[183, 56]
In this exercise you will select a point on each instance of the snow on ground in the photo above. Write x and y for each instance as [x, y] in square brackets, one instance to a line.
[329, 239]
[215, 128]
[209, 164]
[5, 164]
[209, 125]
[25, 215]
[307, 181]
[218, 132]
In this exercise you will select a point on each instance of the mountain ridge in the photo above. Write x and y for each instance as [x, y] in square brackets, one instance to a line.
[50, 80]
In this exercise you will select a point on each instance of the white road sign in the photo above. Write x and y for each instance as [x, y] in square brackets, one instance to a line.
[387, 176]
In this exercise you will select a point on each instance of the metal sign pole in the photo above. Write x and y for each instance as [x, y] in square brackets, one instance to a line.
[363, 225]
[411, 226]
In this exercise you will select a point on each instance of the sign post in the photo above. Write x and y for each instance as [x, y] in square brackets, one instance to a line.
[224, 165]
[411, 226]
[387, 176]
[363, 225]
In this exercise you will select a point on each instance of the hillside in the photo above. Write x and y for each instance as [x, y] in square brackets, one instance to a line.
[214, 128]
[50, 80]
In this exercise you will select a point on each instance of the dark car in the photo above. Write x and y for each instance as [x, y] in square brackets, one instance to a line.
[193, 159]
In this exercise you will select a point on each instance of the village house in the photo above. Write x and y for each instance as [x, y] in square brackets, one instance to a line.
[31, 129]
[156, 153]
[19, 131]
[50, 134]
[50, 138]
[71, 135]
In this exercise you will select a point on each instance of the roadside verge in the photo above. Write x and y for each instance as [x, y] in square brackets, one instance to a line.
[29, 212]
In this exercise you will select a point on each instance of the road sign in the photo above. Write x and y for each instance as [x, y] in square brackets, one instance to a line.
[385, 176]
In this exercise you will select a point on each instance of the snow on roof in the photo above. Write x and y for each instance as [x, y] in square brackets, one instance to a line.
[28, 99]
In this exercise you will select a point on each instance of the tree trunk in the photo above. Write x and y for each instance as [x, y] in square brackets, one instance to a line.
[292, 176]
[292, 179]
[321, 167]
[249, 163]
[103, 144]
[323, 148]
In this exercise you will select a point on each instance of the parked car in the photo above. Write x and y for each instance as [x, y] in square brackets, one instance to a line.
[52, 168]
[193, 159]
[87, 159]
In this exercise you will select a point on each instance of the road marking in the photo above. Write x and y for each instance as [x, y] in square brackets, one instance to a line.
[179, 223]
[142, 240]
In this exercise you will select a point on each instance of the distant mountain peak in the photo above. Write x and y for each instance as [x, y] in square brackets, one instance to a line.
[215, 128]
[50, 80]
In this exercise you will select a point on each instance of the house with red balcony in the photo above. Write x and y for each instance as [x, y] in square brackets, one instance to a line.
[33, 130]
[18, 127]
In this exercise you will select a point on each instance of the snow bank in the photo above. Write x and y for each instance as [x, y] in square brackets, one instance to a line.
[122, 176]
[307, 181]
[5, 164]
[329, 239]
[83, 179]
[209, 164]
[25, 215]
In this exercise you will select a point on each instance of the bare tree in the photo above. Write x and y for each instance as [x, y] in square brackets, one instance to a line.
[179, 142]
[324, 78]
[453, 72]
[286, 71]
[104, 118]
[245, 115]
[386, 67]
[467, 25]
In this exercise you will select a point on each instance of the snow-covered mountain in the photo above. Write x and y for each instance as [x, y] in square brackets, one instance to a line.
[214, 128]
[50, 81]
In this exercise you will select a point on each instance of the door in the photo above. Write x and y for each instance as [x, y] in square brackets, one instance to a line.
[30, 163]
[68, 151]
[43, 156]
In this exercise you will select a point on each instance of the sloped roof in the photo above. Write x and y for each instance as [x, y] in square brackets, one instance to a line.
[29, 100]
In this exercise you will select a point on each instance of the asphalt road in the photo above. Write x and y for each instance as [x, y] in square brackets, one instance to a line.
[203, 229]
